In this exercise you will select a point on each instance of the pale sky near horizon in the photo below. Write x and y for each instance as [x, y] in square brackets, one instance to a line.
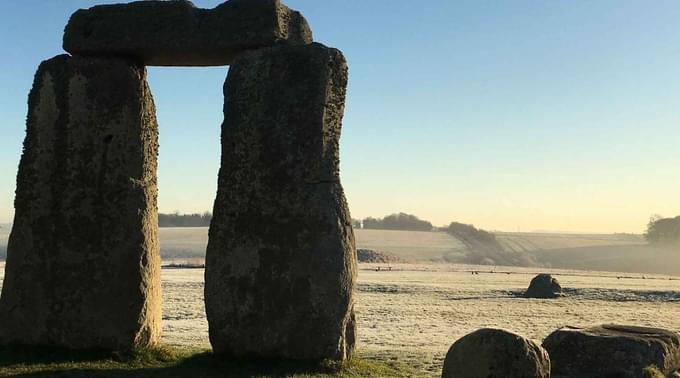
[510, 115]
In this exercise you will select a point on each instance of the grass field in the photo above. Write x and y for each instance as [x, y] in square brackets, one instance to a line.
[4, 234]
[410, 245]
[413, 313]
[179, 242]
[603, 252]
[531, 242]
[408, 317]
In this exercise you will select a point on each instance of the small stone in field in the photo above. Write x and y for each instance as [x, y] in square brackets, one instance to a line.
[543, 286]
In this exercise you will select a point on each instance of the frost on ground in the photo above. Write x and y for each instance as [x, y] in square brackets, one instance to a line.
[414, 312]
[184, 321]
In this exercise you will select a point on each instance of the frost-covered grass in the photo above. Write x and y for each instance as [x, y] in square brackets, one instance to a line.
[419, 312]
[413, 313]
[409, 316]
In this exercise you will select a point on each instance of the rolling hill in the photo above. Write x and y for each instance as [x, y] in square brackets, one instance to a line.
[605, 252]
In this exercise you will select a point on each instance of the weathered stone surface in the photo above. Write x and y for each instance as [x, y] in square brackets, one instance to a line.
[83, 265]
[543, 286]
[495, 353]
[281, 258]
[612, 350]
[176, 33]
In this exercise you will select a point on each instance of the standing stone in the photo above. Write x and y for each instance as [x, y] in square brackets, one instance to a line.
[83, 264]
[281, 260]
[176, 33]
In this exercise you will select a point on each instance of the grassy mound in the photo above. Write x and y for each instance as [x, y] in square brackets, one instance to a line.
[176, 362]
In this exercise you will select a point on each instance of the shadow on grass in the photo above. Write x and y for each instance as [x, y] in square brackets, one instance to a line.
[165, 362]
[17, 354]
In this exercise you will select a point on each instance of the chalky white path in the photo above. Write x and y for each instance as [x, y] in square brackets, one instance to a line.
[414, 312]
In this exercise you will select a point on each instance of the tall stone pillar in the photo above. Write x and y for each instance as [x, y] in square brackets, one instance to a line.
[281, 260]
[83, 262]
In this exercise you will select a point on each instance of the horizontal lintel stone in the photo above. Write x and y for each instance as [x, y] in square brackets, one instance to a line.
[176, 33]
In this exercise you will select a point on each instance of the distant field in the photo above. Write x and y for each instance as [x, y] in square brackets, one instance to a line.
[529, 242]
[4, 234]
[615, 258]
[610, 252]
[603, 252]
[183, 242]
[190, 242]
[410, 245]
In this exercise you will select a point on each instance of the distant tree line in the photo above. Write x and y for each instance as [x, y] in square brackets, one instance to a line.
[399, 221]
[663, 230]
[184, 220]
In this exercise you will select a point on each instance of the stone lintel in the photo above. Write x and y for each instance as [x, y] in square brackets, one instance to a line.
[176, 33]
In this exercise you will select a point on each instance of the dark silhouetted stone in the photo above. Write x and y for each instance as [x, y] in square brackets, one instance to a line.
[281, 259]
[176, 33]
[612, 351]
[543, 286]
[495, 353]
[83, 265]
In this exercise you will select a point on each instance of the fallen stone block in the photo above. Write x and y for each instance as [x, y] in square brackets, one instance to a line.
[612, 350]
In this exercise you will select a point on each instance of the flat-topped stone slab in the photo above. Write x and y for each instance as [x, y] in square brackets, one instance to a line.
[176, 33]
[611, 350]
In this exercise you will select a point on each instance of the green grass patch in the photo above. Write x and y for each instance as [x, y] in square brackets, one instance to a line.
[178, 362]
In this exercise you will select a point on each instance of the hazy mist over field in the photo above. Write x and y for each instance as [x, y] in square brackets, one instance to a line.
[595, 252]
[614, 253]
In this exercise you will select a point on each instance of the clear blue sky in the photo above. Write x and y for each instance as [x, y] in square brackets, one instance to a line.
[552, 115]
